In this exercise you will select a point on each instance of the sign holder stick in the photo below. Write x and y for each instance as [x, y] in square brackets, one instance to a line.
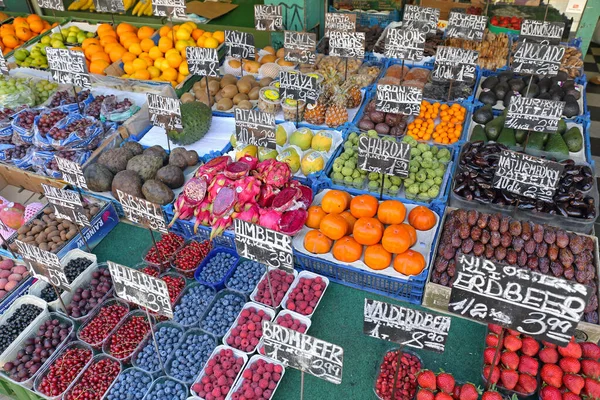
[301, 384]
[382, 185]
[450, 90]
[488, 378]
[241, 66]
[346, 69]
[160, 257]
[87, 246]
[270, 287]
[54, 16]
[208, 92]
[298, 113]
[397, 371]
[62, 303]
[77, 100]
[162, 366]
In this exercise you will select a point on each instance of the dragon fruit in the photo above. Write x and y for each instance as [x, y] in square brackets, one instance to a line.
[273, 172]
[193, 193]
[213, 167]
[202, 214]
[291, 222]
[286, 199]
[250, 213]
[251, 161]
[307, 196]
[218, 182]
[219, 224]
[269, 219]
[236, 170]
[224, 201]
[183, 210]
[266, 196]
[248, 190]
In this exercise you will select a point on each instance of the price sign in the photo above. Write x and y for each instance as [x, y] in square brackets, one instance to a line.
[422, 18]
[300, 47]
[142, 212]
[466, 26]
[341, 22]
[534, 114]
[240, 44]
[4, 67]
[347, 44]
[110, 6]
[202, 62]
[44, 265]
[255, 127]
[268, 18]
[537, 59]
[406, 326]
[453, 63]
[383, 156]
[302, 352]
[71, 172]
[142, 289]
[542, 306]
[169, 8]
[67, 205]
[164, 112]
[296, 86]
[263, 245]
[544, 32]
[527, 176]
[397, 99]
[405, 44]
[51, 4]
[68, 67]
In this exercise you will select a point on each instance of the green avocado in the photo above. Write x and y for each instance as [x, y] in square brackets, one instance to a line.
[562, 127]
[478, 134]
[483, 115]
[573, 139]
[556, 147]
[535, 141]
[494, 127]
[507, 138]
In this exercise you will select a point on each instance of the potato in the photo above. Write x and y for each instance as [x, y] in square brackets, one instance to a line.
[239, 97]
[229, 91]
[224, 104]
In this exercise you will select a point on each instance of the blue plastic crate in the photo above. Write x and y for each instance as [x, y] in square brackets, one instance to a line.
[410, 289]
[221, 284]
[186, 229]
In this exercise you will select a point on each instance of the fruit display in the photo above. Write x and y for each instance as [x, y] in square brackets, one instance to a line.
[219, 374]
[216, 267]
[570, 372]
[72, 270]
[381, 122]
[541, 248]
[246, 276]
[131, 384]
[572, 199]
[166, 338]
[17, 92]
[11, 275]
[86, 297]
[515, 363]
[167, 387]
[408, 76]
[64, 369]
[572, 62]
[101, 324]
[305, 294]
[164, 252]
[246, 332]
[428, 165]
[227, 92]
[15, 324]
[408, 368]
[259, 380]
[493, 49]
[20, 30]
[438, 122]
[272, 290]
[188, 258]
[194, 301]
[498, 90]
[96, 379]
[123, 341]
[186, 362]
[511, 23]
[566, 143]
[444, 386]
[223, 311]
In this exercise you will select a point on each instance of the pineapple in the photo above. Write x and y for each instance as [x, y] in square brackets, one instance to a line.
[315, 114]
[336, 113]
[354, 95]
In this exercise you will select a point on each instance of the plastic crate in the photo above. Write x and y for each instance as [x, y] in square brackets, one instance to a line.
[220, 284]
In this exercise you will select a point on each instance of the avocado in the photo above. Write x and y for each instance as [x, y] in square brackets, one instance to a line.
[483, 115]
[494, 127]
[561, 76]
[571, 109]
[501, 89]
[556, 147]
[478, 134]
[569, 98]
[544, 84]
[489, 83]
[557, 95]
[509, 96]
[505, 76]
[544, 96]
[507, 138]
[516, 84]
[520, 135]
[573, 139]
[562, 127]
[568, 85]
[488, 97]
[572, 92]
[530, 91]
[535, 142]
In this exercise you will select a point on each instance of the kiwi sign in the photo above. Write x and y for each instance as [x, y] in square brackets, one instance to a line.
[240, 44]
[537, 59]
[422, 18]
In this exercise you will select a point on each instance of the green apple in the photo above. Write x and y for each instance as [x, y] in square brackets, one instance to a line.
[91, 34]
[58, 44]
[46, 40]
[72, 38]
[21, 54]
[35, 53]
[81, 36]
[56, 36]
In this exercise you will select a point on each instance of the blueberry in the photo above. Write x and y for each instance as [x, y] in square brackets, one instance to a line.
[188, 360]
[192, 305]
[167, 389]
[222, 314]
[167, 338]
[131, 384]
[246, 276]
[217, 267]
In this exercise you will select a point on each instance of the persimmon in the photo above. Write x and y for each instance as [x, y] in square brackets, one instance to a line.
[411, 232]
[350, 220]
[377, 258]
[409, 263]
[335, 201]
[396, 239]
[347, 250]
[422, 218]
[317, 243]
[333, 226]
[315, 215]
[364, 205]
[391, 212]
[367, 231]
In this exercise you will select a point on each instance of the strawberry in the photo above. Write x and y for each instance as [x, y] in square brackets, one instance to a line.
[491, 340]
[592, 388]
[494, 328]
[569, 365]
[528, 365]
[468, 391]
[456, 392]
[573, 349]
[530, 346]
[509, 378]
[443, 396]
[550, 393]
[514, 333]
[491, 395]
[570, 396]
[574, 383]
[548, 344]
[445, 382]
[590, 368]
[495, 374]
[590, 350]
[548, 355]
[528, 383]
[425, 394]
[552, 375]
[426, 380]
[512, 343]
[488, 356]
[510, 359]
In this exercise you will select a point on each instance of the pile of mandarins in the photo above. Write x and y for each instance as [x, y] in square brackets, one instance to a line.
[20, 30]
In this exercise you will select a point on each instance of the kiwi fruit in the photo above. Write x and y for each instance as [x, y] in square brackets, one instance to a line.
[224, 104]
[253, 95]
[213, 87]
[244, 86]
[239, 97]
[245, 105]
[265, 82]
[229, 91]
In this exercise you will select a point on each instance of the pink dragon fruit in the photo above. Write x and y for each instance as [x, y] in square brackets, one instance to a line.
[202, 214]
[249, 213]
[219, 224]
[269, 219]
[291, 222]
[213, 167]
[182, 210]
[224, 201]
[251, 161]
[193, 193]
[307, 196]
[236, 170]
[218, 182]
[273, 172]
[266, 196]
[286, 199]
[248, 190]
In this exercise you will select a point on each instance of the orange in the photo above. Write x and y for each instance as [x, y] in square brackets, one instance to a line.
[10, 41]
[154, 72]
[200, 41]
[36, 26]
[145, 32]
[139, 64]
[377, 258]
[20, 21]
[100, 56]
[391, 212]
[396, 239]
[98, 66]
[128, 67]
[184, 69]
[315, 215]
[161, 63]
[155, 53]
[412, 233]
[196, 33]
[174, 60]
[422, 218]
[111, 46]
[127, 56]
[165, 44]
[367, 231]
[108, 34]
[116, 54]
[350, 220]
[125, 27]
[347, 250]
[169, 73]
[33, 18]
[211, 43]
[409, 263]
[335, 201]
[24, 33]
[106, 40]
[333, 226]
[182, 34]
[364, 205]
[104, 28]
[219, 35]
[147, 44]
[91, 50]
[135, 48]
[89, 41]
[141, 74]
[164, 31]
[180, 78]
[207, 34]
[146, 57]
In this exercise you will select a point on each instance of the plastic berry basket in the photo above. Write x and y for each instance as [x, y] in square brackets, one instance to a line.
[240, 262]
[33, 325]
[161, 380]
[105, 396]
[168, 262]
[253, 360]
[188, 273]
[108, 341]
[309, 275]
[393, 349]
[220, 284]
[188, 333]
[94, 314]
[299, 317]
[236, 353]
[249, 305]
[96, 359]
[214, 303]
[149, 340]
[255, 291]
[184, 292]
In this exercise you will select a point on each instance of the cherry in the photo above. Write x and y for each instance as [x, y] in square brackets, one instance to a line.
[64, 370]
[97, 329]
[95, 381]
[125, 340]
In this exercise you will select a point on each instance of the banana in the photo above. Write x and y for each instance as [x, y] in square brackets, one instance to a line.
[137, 7]
[77, 5]
[148, 9]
